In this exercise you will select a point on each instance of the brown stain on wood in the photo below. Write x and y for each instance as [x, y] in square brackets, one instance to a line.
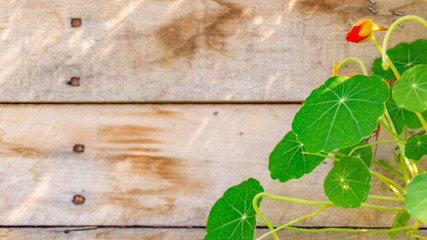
[185, 36]
[129, 134]
[318, 5]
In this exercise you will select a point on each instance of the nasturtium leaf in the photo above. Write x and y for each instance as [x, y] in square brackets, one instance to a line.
[416, 147]
[340, 113]
[404, 56]
[348, 183]
[400, 220]
[410, 91]
[402, 117]
[416, 197]
[232, 216]
[286, 161]
[364, 153]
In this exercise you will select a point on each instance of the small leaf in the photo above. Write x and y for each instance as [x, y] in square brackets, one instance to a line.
[363, 153]
[402, 117]
[404, 56]
[286, 161]
[232, 216]
[348, 183]
[410, 91]
[416, 147]
[416, 197]
[340, 113]
[400, 220]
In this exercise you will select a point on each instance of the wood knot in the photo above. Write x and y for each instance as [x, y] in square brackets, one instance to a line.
[79, 148]
[74, 81]
[76, 22]
[78, 199]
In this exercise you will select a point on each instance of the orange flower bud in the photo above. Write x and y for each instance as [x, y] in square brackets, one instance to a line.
[362, 31]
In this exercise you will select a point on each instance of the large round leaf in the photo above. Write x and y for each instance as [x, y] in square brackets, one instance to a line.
[348, 183]
[416, 147]
[364, 153]
[404, 56]
[402, 117]
[416, 197]
[340, 113]
[410, 91]
[232, 216]
[286, 161]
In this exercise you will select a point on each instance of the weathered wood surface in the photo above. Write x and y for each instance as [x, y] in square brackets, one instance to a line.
[161, 234]
[150, 165]
[213, 50]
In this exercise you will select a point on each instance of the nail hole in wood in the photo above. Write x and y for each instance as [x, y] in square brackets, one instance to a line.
[79, 148]
[76, 22]
[74, 81]
[78, 199]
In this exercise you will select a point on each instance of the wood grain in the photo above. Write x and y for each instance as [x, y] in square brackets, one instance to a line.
[213, 50]
[161, 234]
[150, 165]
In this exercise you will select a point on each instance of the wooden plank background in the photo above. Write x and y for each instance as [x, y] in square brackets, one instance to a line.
[151, 170]
[212, 50]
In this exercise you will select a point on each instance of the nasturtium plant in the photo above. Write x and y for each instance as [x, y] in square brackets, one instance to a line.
[410, 91]
[233, 216]
[402, 117]
[340, 121]
[360, 151]
[348, 183]
[287, 161]
[340, 113]
[404, 56]
[416, 198]
[416, 147]
[401, 220]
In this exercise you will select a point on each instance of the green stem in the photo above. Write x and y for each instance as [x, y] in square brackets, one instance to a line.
[373, 143]
[398, 199]
[255, 206]
[390, 183]
[411, 167]
[321, 155]
[295, 200]
[403, 168]
[390, 30]
[391, 169]
[418, 236]
[361, 63]
[390, 131]
[420, 117]
[293, 221]
[420, 167]
[393, 68]
[350, 230]
[338, 153]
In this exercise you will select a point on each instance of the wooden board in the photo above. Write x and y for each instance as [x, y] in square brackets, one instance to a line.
[150, 165]
[161, 234]
[213, 50]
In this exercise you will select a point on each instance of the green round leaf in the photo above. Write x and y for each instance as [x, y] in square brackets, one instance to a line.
[416, 147]
[410, 91]
[416, 197]
[404, 56]
[286, 161]
[340, 113]
[364, 153]
[232, 216]
[348, 183]
[402, 117]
